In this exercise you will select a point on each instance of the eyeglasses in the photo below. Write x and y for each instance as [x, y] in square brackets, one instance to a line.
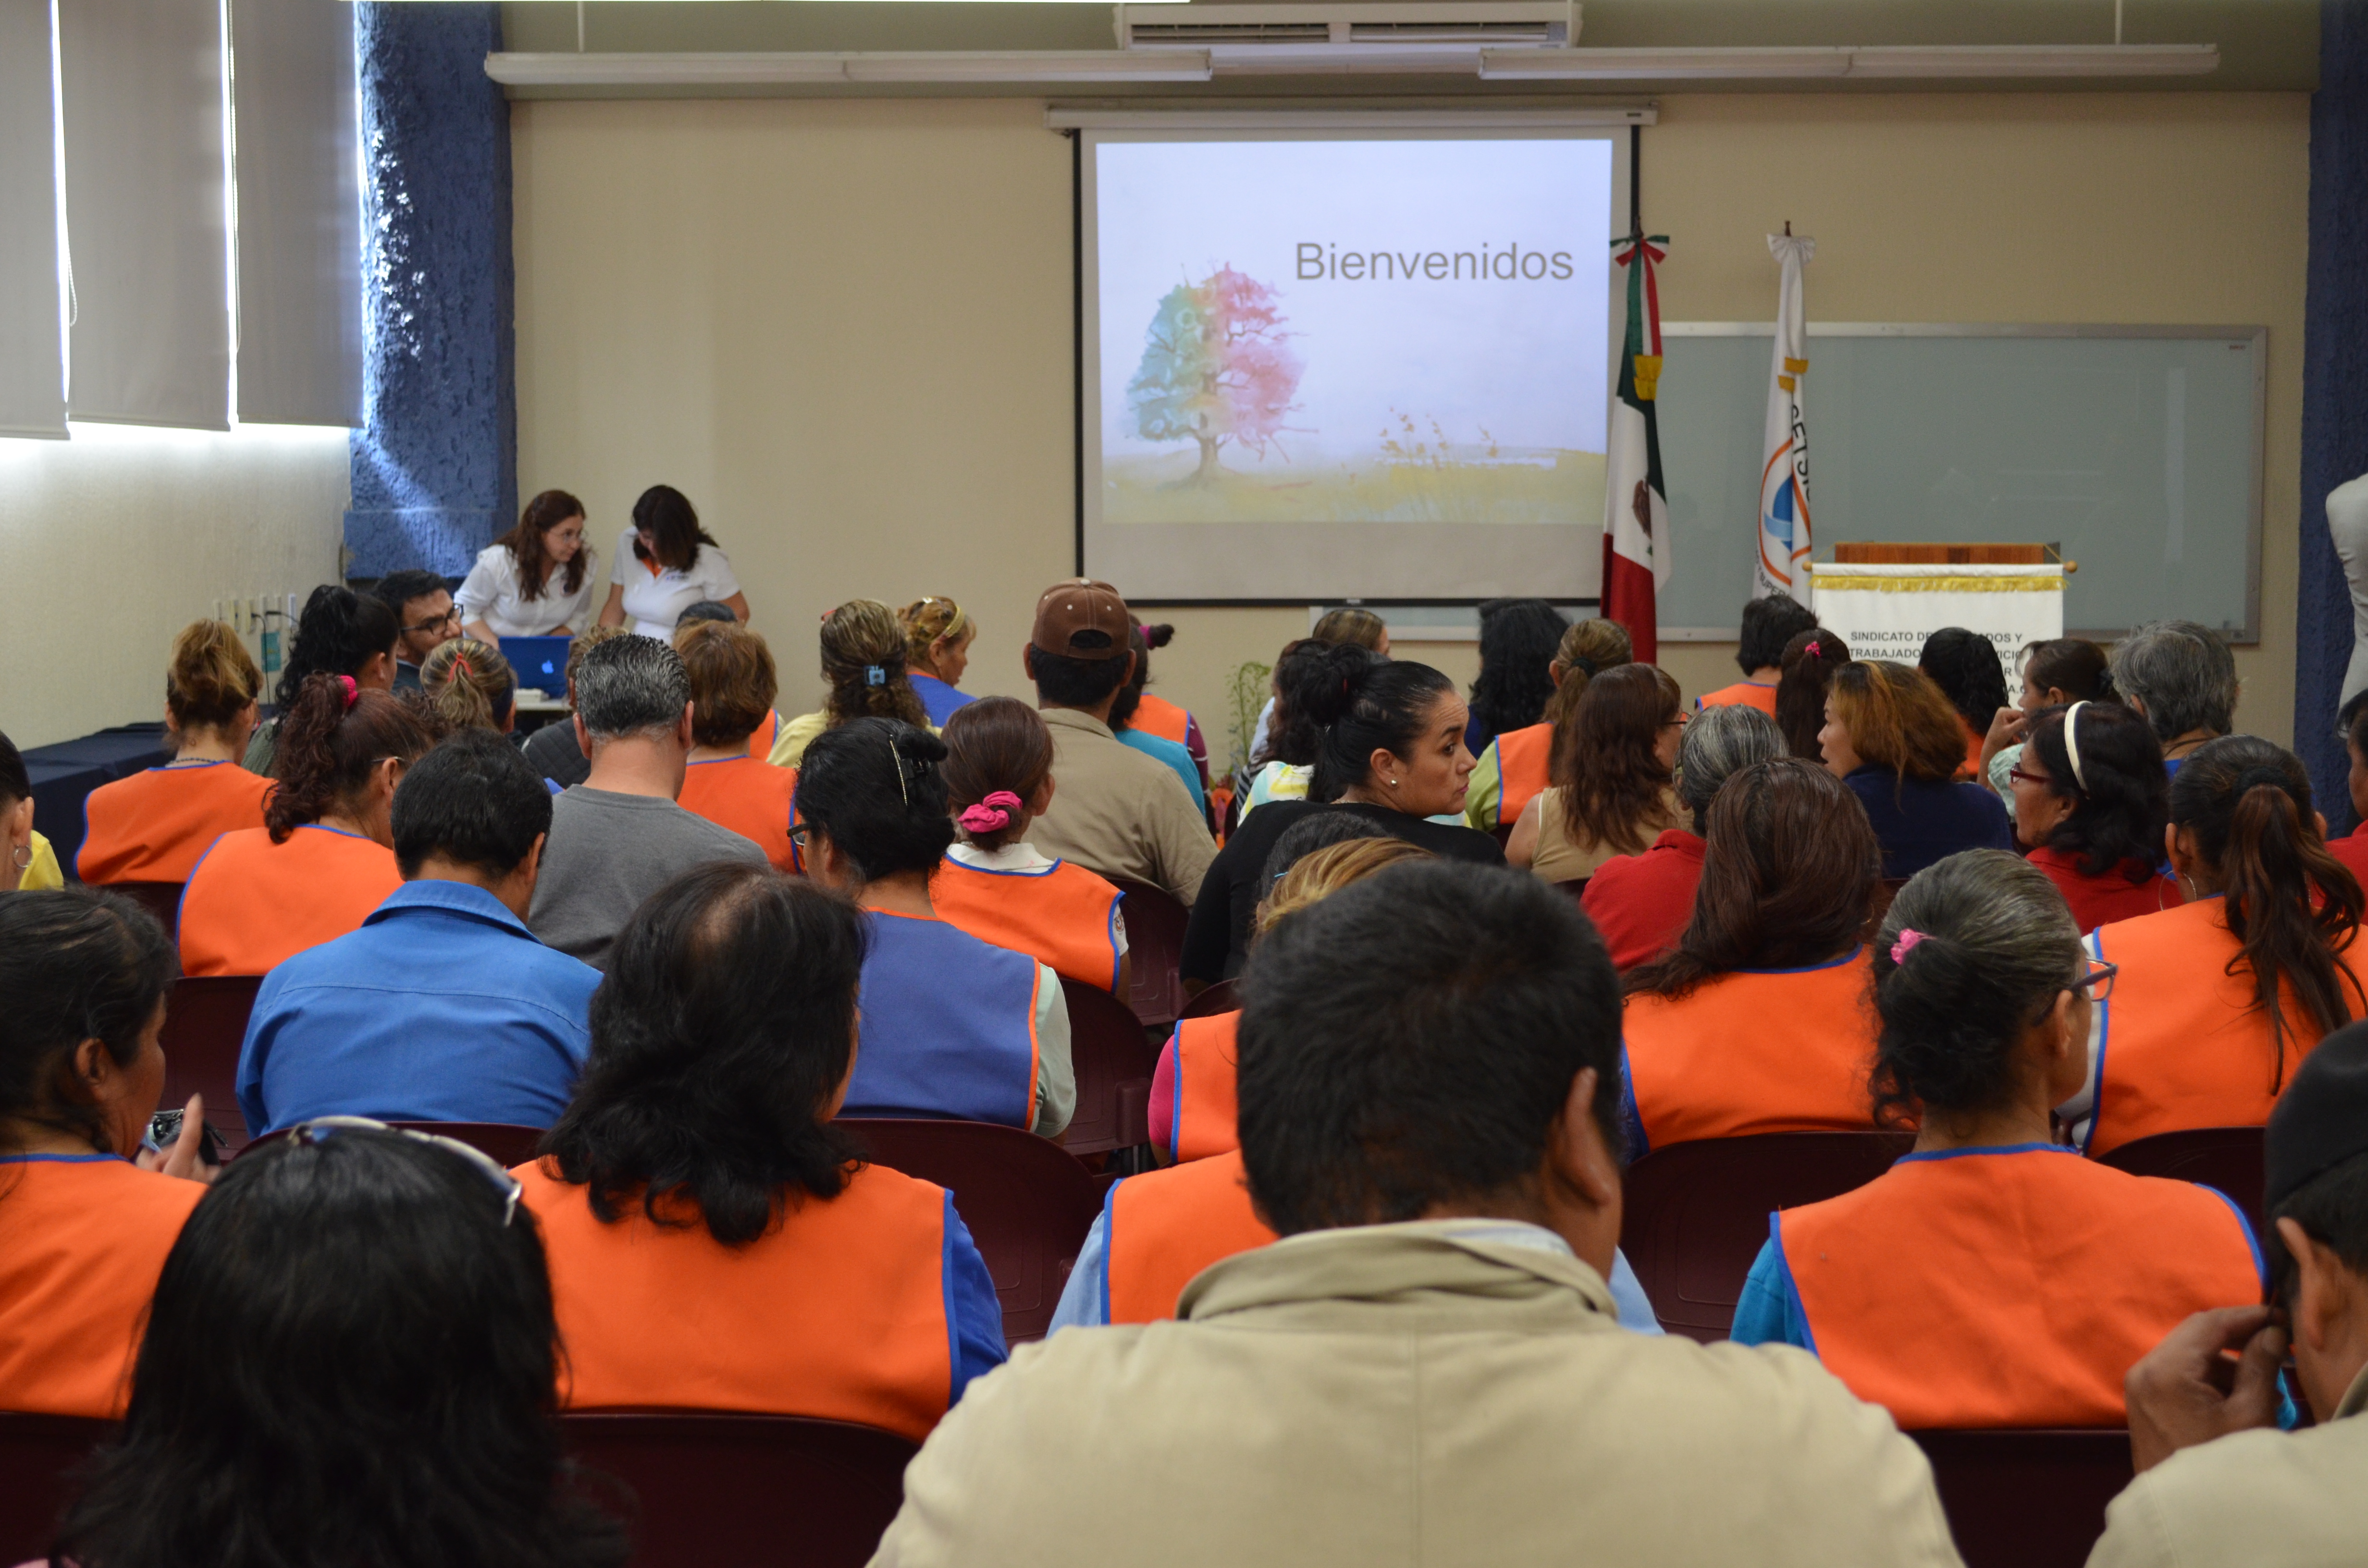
[439, 623]
[2019, 777]
[2099, 982]
[508, 1186]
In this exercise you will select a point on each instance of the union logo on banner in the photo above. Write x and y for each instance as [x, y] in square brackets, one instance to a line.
[1782, 562]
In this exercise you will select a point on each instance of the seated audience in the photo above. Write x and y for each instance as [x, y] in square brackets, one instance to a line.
[29, 865]
[443, 1006]
[1612, 770]
[715, 1242]
[1808, 664]
[1964, 666]
[152, 827]
[1769, 623]
[339, 633]
[863, 658]
[619, 837]
[1151, 723]
[1392, 753]
[2352, 849]
[667, 563]
[1284, 759]
[1518, 639]
[425, 617]
[552, 750]
[1893, 739]
[350, 1360]
[993, 883]
[1513, 769]
[1350, 623]
[1640, 902]
[1436, 1324]
[2090, 801]
[767, 733]
[1757, 1022]
[470, 686]
[1121, 814]
[536, 580]
[938, 635]
[951, 1026]
[732, 691]
[324, 858]
[2182, 678]
[86, 975]
[2218, 1486]
[2221, 998]
[1992, 1278]
[2056, 673]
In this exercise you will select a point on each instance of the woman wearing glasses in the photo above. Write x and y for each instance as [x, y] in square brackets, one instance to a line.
[1613, 757]
[1992, 1278]
[2220, 998]
[2090, 798]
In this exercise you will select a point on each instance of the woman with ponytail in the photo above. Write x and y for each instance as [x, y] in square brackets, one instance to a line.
[714, 1239]
[1991, 1277]
[993, 883]
[951, 1026]
[2221, 997]
[1514, 769]
[1809, 662]
[1285, 762]
[340, 634]
[152, 827]
[471, 686]
[938, 635]
[863, 648]
[325, 857]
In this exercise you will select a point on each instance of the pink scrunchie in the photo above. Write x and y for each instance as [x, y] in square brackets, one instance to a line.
[991, 813]
[353, 691]
[1909, 938]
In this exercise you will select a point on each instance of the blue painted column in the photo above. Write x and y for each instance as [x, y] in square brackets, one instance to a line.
[435, 465]
[2335, 386]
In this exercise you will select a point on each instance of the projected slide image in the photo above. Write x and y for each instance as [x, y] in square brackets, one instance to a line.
[1296, 332]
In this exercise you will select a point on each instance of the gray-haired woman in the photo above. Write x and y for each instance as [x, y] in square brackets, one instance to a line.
[2182, 678]
[1640, 903]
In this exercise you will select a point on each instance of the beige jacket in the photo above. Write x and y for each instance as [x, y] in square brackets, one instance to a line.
[1119, 812]
[1399, 1395]
[2262, 1499]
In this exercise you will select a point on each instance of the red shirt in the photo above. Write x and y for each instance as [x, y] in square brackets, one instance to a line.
[1640, 902]
[2099, 901]
[2352, 851]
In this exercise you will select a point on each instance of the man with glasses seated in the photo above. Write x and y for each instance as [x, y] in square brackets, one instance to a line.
[423, 609]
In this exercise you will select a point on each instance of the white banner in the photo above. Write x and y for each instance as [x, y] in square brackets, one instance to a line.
[1781, 565]
[1886, 612]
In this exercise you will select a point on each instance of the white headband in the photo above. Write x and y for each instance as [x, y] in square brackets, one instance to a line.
[2072, 743]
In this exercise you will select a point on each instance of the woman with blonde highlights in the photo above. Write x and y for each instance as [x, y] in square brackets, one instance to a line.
[938, 635]
[1614, 758]
[1891, 735]
[864, 654]
[470, 686]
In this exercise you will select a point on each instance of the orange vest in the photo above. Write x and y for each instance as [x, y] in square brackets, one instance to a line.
[2008, 1287]
[761, 738]
[82, 1240]
[1750, 693]
[152, 827]
[1160, 717]
[1164, 1227]
[1205, 1107]
[252, 903]
[1061, 914]
[1521, 769]
[838, 1312]
[1779, 1051]
[1972, 770]
[748, 795]
[2180, 1044]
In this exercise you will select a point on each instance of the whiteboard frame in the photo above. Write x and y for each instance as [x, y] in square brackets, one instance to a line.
[2255, 338]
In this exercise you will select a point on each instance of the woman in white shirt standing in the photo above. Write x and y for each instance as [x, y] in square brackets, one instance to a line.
[534, 580]
[666, 564]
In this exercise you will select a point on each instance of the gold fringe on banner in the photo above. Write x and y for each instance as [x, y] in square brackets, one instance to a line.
[1850, 583]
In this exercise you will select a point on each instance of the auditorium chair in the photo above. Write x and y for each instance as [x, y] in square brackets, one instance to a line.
[38, 1456]
[1225, 996]
[1695, 1214]
[1027, 1202]
[1155, 950]
[2229, 1158]
[1113, 1063]
[161, 900]
[2027, 1498]
[205, 1023]
[711, 1488]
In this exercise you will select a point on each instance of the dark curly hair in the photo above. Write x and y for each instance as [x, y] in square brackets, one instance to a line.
[1518, 639]
[875, 788]
[75, 963]
[340, 633]
[1964, 666]
[327, 748]
[1306, 676]
[2121, 795]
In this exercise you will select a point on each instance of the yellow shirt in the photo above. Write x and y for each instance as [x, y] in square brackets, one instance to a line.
[796, 734]
[43, 875]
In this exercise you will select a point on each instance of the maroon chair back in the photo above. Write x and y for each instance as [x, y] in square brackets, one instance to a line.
[1696, 1214]
[1573, 890]
[1027, 1202]
[38, 1455]
[2229, 1158]
[1225, 996]
[711, 1488]
[161, 900]
[1503, 833]
[1155, 950]
[1113, 1063]
[205, 1023]
[2029, 1498]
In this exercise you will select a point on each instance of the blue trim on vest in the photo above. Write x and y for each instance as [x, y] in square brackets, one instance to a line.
[1989, 1149]
[1110, 1240]
[316, 827]
[1631, 1120]
[1045, 870]
[197, 767]
[56, 1159]
[2244, 1223]
[2104, 1038]
[1810, 968]
[1793, 1302]
[1176, 1116]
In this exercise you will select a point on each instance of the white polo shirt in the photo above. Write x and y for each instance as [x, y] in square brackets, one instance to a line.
[654, 600]
[492, 594]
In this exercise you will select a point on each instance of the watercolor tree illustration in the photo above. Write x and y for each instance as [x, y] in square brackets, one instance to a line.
[1216, 368]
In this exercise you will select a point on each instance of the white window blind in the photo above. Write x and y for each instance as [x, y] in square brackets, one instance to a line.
[32, 356]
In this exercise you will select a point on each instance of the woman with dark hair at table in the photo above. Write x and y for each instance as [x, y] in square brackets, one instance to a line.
[1964, 666]
[1518, 640]
[28, 864]
[665, 562]
[340, 634]
[351, 1361]
[2090, 800]
[1612, 766]
[716, 1242]
[534, 580]
[1891, 735]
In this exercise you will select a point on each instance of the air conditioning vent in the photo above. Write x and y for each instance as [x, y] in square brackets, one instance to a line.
[1349, 36]
[1200, 35]
[1503, 34]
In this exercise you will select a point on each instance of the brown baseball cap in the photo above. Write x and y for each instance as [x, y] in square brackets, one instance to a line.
[1081, 619]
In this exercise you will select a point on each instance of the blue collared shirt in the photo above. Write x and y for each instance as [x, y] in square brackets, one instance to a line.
[443, 1007]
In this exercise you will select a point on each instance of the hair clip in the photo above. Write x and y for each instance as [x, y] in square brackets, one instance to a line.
[1909, 938]
[353, 691]
[873, 674]
[2072, 744]
[461, 667]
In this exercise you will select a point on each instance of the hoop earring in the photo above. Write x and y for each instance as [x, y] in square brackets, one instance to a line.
[22, 857]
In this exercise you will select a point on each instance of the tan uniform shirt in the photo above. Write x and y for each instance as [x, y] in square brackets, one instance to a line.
[1119, 812]
[1393, 1395]
[1559, 858]
[2261, 1499]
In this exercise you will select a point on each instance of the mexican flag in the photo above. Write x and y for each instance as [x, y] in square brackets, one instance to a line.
[1636, 555]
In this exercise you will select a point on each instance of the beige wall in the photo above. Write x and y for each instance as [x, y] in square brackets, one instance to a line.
[129, 535]
[844, 328]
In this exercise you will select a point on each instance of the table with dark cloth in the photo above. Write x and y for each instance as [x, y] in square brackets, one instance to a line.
[63, 775]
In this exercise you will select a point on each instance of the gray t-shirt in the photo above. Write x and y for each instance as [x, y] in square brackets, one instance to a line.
[552, 753]
[606, 853]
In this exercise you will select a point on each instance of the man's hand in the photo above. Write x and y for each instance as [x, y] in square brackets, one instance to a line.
[2189, 1390]
[182, 1158]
